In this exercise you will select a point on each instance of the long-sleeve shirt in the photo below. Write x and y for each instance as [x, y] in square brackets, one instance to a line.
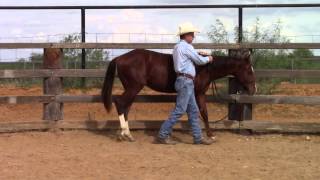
[184, 58]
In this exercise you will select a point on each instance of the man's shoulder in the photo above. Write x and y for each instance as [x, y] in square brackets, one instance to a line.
[183, 45]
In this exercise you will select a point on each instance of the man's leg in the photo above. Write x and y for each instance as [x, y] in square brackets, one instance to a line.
[183, 96]
[193, 118]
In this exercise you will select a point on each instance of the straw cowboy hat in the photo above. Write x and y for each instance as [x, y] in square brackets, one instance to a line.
[186, 28]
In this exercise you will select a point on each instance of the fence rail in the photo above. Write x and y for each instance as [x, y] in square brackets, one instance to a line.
[100, 73]
[53, 98]
[159, 45]
[233, 98]
[256, 126]
[163, 6]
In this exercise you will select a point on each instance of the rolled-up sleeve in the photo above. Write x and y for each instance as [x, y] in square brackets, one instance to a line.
[195, 57]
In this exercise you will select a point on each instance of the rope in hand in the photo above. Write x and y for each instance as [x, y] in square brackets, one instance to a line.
[216, 94]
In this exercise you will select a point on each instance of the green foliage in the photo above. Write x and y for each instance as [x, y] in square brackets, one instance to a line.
[35, 57]
[75, 54]
[96, 58]
[301, 53]
[218, 34]
[266, 58]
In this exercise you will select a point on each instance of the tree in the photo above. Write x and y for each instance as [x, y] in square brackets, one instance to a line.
[36, 57]
[75, 54]
[218, 34]
[301, 53]
[256, 34]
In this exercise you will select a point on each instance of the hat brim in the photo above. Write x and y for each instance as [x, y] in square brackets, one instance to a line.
[185, 32]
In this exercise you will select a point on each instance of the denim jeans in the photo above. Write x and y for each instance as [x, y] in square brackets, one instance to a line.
[185, 102]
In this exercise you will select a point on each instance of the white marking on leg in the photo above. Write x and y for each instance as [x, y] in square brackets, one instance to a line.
[127, 128]
[124, 126]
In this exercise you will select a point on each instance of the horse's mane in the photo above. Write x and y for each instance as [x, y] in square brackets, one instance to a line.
[223, 61]
[220, 61]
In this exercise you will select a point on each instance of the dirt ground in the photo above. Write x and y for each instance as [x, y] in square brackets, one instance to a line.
[97, 155]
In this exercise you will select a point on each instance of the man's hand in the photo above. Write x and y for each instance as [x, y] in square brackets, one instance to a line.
[202, 53]
[210, 59]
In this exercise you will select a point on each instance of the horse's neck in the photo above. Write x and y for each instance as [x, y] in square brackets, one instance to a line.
[222, 67]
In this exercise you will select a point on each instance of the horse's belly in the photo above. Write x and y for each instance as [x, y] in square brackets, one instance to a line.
[162, 86]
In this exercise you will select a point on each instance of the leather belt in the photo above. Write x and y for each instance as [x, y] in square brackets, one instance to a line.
[185, 75]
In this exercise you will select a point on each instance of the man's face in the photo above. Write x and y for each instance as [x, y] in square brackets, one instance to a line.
[189, 37]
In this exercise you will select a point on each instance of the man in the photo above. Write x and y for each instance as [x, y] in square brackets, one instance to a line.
[184, 57]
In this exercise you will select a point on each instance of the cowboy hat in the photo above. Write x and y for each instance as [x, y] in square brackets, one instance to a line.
[186, 28]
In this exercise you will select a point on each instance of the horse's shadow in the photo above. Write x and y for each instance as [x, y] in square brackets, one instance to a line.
[111, 129]
[98, 128]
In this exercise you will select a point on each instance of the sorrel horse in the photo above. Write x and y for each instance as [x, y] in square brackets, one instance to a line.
[139, 68]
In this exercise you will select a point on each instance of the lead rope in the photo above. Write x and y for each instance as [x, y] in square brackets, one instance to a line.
[216, 94]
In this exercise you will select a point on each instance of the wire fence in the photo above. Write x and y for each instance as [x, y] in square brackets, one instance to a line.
[13, 55]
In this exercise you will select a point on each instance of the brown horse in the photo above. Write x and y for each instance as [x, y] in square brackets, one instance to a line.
[139, 68]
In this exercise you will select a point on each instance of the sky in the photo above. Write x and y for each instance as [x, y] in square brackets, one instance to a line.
[299, 24]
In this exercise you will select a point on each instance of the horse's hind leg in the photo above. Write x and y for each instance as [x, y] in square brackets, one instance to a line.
[123, 104]
[125, 130]
[204, 114]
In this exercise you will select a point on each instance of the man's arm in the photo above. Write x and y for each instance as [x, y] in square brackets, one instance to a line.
[196, 58]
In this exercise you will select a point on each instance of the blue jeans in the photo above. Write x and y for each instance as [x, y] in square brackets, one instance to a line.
[185, 102]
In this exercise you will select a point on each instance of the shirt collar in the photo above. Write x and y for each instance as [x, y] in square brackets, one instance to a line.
[182, 40]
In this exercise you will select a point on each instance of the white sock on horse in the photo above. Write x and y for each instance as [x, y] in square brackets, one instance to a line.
[124, 126]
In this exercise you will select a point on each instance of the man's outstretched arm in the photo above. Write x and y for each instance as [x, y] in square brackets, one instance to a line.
[196, 58]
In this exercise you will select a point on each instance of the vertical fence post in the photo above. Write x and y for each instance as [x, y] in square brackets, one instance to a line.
[52, 59]
[83, 39]
[237, 111]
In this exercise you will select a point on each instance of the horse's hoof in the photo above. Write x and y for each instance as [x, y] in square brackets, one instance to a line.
[214, 138]
[121, 138]
[130, 138]
[124, 137]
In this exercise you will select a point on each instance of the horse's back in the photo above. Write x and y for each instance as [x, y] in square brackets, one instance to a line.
[149, 68]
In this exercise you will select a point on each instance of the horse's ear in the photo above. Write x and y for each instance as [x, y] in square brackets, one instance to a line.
[246, 54]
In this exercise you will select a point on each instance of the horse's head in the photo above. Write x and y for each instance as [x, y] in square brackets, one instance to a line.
[244, 72]
[53, 57]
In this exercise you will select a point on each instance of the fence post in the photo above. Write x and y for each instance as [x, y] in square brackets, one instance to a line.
[52, 59]
[237, 111]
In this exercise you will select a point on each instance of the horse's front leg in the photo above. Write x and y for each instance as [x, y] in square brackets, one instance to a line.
[201, 101]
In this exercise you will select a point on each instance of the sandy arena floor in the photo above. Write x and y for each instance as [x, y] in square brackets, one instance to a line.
[98, 155]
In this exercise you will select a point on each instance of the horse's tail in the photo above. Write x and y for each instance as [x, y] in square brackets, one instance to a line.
[106, 92]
